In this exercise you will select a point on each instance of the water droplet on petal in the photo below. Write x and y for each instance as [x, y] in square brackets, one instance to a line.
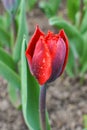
[44, 60]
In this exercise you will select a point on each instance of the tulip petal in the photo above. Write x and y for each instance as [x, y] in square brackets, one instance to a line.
[41, 62]
[32, 43]
[64, 37]
[58, 52]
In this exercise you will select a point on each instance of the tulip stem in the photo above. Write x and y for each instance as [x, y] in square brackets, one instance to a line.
[43, 107]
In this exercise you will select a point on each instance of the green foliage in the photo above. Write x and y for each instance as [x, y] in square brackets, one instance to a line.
[6, 59]
[31, 3]
[77, 43]
[14, 95]
[5, 25]
[9, 75]
[7, 69]
[83, 27]
[22, 30]
[30, 94]
[5, 21]
[72, 7]
[83, 69]
[71, 63]
[50, 7]
[4, 37]
[85, 122]
[71, 31]
[77, 20]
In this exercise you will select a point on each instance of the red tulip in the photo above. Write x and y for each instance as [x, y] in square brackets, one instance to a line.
[47, 55]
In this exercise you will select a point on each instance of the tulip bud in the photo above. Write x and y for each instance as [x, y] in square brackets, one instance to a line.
[47, 55]
[10, 5]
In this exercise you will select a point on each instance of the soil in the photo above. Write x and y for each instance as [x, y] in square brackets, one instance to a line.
[66, 97]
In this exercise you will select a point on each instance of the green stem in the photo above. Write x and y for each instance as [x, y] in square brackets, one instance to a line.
[43, 107]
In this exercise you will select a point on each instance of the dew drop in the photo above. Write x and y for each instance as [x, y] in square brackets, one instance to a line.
[44, 60]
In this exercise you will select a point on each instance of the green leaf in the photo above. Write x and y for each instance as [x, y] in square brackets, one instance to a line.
[9, 75]
[50, 8]
[83, 27]
[84, 57]
[30, 94]
[7, 59]
[14, 96]
[22, 30]
[77, 20]
[5, 21]
[70, 65]
[69, 28]
[85, 4]
[4, 37]
[85, 121]
[83, 68]
[1, 20]
[71, 32]
[72, 7]
[31, 3]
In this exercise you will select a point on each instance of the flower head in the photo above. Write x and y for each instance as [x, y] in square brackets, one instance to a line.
[47, 55]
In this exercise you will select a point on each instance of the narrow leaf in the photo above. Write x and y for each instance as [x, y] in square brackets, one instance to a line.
[4, 37]
[85, 121]
[9, 75]
[22, 30]
[83, 27]
[50, 8]
[1, 20]
[14, 96]
[84, 56]
[5, 21]
[30, 95]
[83, 68]
[70, 29]
[6, 59]
[72, 7]
[70, 65]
